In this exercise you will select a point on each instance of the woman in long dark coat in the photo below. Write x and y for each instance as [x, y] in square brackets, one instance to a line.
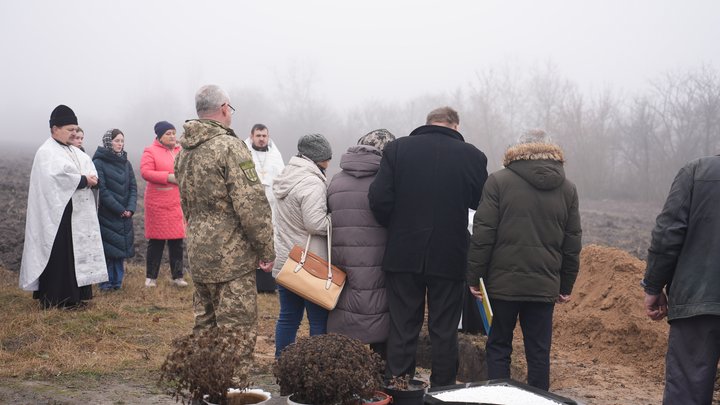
[118, 201]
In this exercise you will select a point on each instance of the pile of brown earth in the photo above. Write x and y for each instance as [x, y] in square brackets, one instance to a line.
[605, 321]
[605, 349]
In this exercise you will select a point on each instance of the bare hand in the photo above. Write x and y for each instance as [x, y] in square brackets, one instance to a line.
[171, 178]
[126, 214]
[266, 266]
[562, 298]
[476, 292]
[92, 180]
[656, 306]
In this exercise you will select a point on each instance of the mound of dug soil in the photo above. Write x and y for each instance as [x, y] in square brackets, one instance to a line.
[605, 322]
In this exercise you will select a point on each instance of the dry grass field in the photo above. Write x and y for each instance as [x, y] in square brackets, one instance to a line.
[109, 352]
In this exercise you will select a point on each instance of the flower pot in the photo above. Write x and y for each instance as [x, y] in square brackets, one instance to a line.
[379, 398]
[291, 401]
[244, 397]
[413, 395]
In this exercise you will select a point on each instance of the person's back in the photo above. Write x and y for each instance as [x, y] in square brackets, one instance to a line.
[535, 210]
[525, 246]
[211, 159]
[437, 177]
[229, 231]
[301, 195]
[423, 190]
[683, 261]
[358, 245]
[684, 256]
[301, 208]
[203, 162]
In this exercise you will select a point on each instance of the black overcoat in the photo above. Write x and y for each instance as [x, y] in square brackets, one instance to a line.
[426, 183]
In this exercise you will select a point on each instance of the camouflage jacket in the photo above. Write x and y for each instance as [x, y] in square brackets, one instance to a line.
[228, 217]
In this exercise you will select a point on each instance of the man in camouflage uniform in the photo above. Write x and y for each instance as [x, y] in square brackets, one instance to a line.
[229, 228]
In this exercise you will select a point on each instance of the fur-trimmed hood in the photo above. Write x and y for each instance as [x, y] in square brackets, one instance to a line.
[540, 164]
[533, 151]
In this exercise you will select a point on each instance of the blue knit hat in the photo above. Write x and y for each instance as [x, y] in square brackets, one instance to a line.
[162, 127]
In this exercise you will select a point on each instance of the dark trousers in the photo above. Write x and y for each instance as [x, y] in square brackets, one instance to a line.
[536, 324]
[155, 253]
[692, 360]
[265, 281]
[406, 299]
[471, 321]
[380, 349]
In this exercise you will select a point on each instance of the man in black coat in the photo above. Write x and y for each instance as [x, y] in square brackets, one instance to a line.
[426, 183]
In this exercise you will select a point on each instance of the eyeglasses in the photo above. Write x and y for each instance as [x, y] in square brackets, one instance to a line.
[232, 109]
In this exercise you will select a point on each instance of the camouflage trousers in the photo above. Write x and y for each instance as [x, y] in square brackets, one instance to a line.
[231, 304]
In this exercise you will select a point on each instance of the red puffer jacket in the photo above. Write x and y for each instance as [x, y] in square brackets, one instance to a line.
[163, 213]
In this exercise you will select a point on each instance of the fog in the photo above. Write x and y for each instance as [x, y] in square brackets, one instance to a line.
[580, 69]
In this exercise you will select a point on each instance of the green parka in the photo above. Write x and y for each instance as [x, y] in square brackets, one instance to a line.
[228, 217]
[526, 238]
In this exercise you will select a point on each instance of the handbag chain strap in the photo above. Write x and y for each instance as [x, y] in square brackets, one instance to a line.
[328, 283]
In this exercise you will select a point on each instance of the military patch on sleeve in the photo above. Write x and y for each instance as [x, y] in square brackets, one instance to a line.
[248, 167]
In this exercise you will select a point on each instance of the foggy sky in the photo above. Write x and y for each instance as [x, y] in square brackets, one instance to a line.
[102, 57]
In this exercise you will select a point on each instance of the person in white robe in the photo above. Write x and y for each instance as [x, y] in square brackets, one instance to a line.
[63, 253]
[268, 164]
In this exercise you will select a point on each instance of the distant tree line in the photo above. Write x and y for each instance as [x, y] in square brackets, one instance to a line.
[619, 146]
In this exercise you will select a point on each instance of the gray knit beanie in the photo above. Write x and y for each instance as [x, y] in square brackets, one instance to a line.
[315, 147]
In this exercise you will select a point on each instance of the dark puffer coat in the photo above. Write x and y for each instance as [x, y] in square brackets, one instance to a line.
[358, 244]
[526, 233]
[118, 193]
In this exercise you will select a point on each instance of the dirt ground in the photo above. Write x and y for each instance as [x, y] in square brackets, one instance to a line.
[604, 349]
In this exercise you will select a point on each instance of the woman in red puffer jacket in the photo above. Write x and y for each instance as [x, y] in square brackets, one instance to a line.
[163, 213]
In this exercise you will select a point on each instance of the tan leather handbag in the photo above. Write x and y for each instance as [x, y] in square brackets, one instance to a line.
[311, 277]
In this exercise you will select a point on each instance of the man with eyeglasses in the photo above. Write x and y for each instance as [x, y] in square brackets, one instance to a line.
[229, 228]
[63, 251]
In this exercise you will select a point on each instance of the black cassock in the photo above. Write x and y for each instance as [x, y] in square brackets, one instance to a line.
[58, 283]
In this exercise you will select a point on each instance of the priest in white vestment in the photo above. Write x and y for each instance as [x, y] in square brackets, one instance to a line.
[63, 252]
[268, 164]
